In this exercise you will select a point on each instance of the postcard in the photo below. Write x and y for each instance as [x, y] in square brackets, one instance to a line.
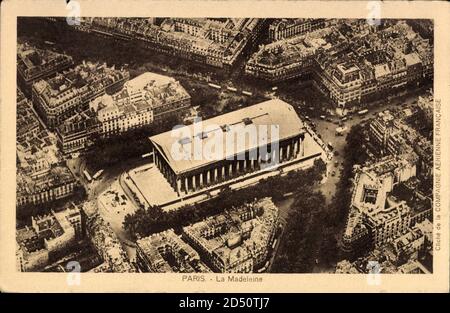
[223, 146]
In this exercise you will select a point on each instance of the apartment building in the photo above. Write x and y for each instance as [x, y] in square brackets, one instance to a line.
[59, 98]
[143, 100]
[47, 236]
[349, 61]
[34, 64]
[236, 241]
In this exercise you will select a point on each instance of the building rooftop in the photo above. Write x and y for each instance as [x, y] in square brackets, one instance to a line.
[384, 215]
[27, 123]
[380, 53]
[412, 59]
[413, 267]
[345, 267]
[238, 234]
[426, 228]
[145, 79]
[82, 81]
[273, 113]
[108, 245]
[371, 195]
[44, 229]
[144, 92]
[33, 62]
[292, 50]
[56, 176]
[166, 252]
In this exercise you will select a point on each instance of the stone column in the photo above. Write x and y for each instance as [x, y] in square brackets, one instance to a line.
[186, 184]
[230, 170]
[201, 180]
[295, 148]
[208, 177]
[178, 186]
[223, 172]
[301, 147]
[215, 174]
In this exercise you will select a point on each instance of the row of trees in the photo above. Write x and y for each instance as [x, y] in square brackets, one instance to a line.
[107, 152]
[144, 222]
[303, 230]
[314, 228]
[90, 46]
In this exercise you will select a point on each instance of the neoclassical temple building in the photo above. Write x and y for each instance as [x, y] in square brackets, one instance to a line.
[265, 135]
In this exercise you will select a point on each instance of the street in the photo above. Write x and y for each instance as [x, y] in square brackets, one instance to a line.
[327, 130]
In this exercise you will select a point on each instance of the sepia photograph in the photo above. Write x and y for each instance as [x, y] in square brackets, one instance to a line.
[235, 145]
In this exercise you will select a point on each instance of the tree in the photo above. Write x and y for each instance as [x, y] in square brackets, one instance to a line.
[313, 228]
[107, 152]
[148, 221]
[298, 247]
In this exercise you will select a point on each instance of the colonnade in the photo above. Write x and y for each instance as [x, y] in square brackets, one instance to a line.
[227, 169]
